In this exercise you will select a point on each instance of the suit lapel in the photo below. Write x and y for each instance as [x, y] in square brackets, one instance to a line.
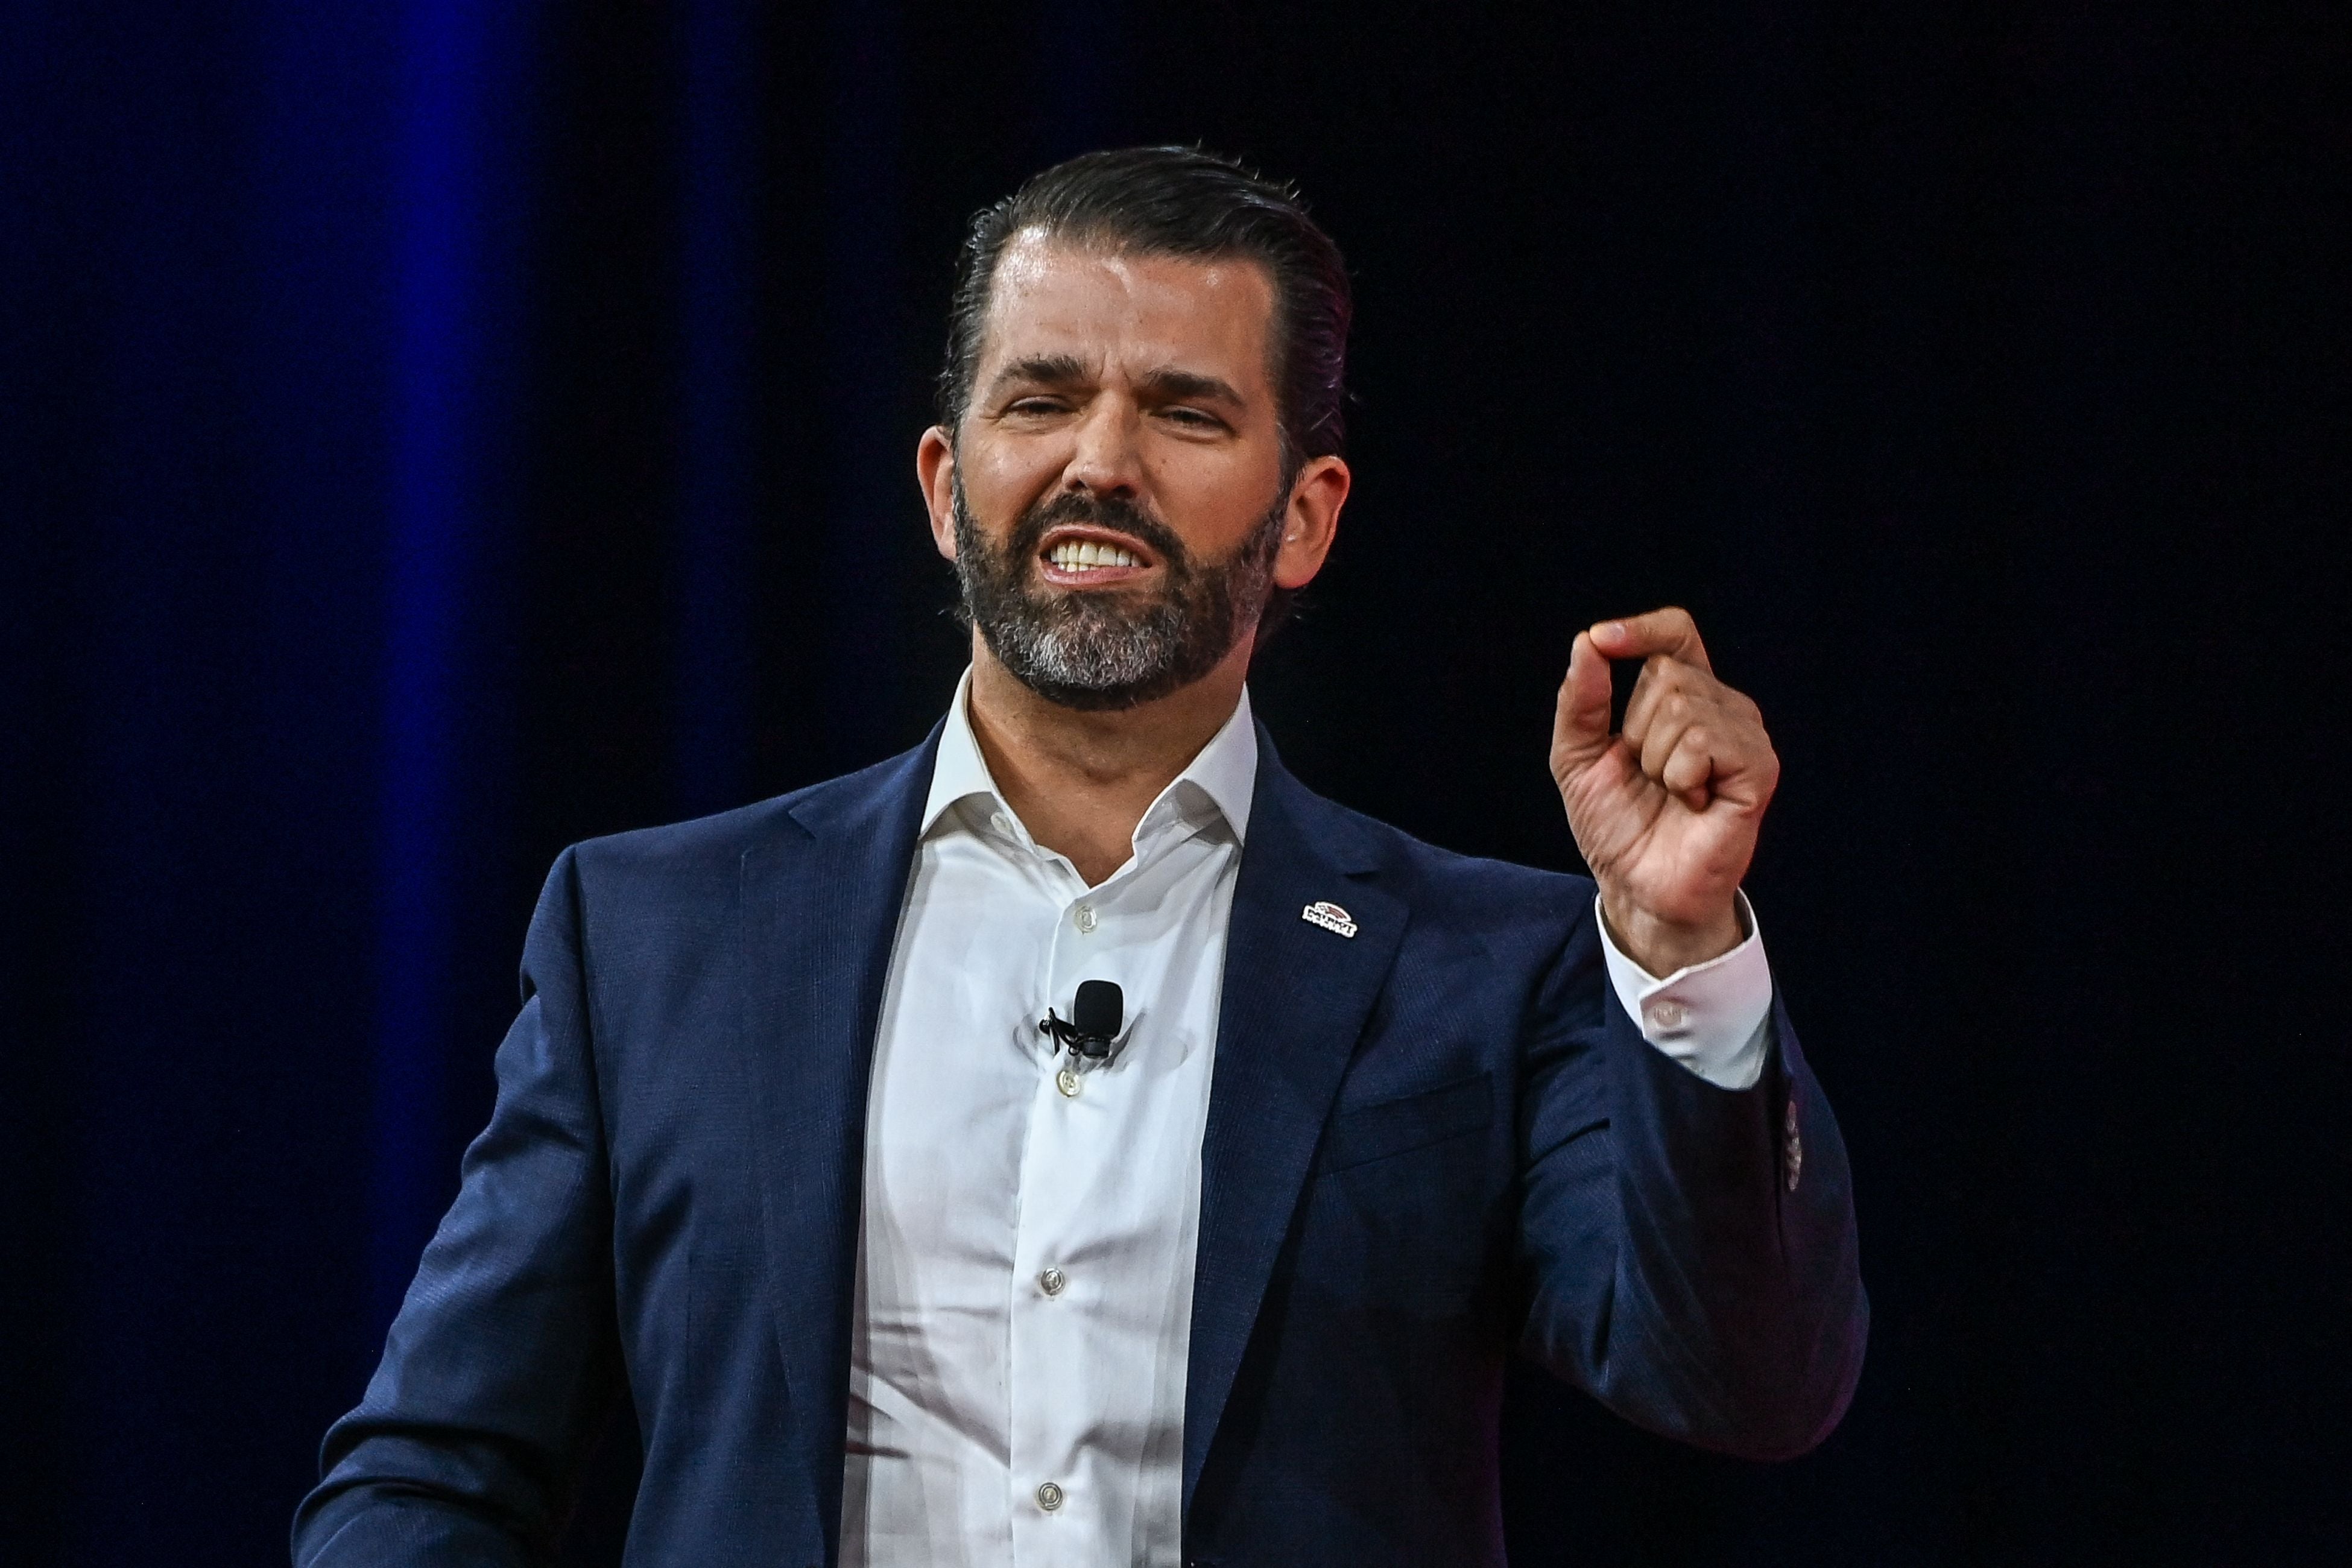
[1296, 999]
[820, 903]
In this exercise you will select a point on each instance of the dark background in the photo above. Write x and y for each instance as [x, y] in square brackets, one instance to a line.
[431, 438]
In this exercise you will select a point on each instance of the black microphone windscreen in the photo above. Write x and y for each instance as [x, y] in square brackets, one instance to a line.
[1098, 1010]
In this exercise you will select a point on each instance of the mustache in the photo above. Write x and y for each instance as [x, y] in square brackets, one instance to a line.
[1112, 512]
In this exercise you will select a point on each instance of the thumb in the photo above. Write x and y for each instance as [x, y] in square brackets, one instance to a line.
[1579, 729]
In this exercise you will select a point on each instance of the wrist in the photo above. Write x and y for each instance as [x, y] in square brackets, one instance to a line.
[1661, 945]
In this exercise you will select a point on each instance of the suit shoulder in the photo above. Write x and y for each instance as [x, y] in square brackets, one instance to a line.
[1430, 875]
[704, 853]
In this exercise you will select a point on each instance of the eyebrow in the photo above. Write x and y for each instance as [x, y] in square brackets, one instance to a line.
[1170, 383]
[1065, 370]
[1045, 370]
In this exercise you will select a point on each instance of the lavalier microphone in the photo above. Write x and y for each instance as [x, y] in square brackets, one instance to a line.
[1094, 1022]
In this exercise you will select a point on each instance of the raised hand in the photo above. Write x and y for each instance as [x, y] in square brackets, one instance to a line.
[1666, 811]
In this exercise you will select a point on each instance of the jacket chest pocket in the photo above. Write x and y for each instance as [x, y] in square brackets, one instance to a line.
[1386, 1128]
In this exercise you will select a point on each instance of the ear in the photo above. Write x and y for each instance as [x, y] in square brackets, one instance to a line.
[1312, 522]
[935, 471]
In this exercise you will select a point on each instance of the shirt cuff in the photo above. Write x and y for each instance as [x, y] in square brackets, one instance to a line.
[1715, 1018]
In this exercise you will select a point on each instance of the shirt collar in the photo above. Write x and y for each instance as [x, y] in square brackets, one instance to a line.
[1220, 778]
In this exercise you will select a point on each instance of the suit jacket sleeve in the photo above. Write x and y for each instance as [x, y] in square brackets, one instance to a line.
[1675, 1270]
[504, 1358]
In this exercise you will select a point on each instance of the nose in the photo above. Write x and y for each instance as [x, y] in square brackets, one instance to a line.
[1106, 460]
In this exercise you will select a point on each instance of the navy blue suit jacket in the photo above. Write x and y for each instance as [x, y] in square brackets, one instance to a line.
[1428, 1145]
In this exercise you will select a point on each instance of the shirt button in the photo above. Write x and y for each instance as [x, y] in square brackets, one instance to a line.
[1052, 1281]
[1002, 822]
[1667, 1014]
[1085, 919]
[1068, 1082]
[1049, 1497]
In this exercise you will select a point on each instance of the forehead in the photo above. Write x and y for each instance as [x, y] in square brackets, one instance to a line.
[1122, 310]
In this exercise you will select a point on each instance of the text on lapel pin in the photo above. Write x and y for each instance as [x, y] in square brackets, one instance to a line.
[1330, 917]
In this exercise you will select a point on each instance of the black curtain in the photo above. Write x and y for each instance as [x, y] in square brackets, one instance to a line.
[434, 434]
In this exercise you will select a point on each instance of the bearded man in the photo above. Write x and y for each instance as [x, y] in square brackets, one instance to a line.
[907, 1249]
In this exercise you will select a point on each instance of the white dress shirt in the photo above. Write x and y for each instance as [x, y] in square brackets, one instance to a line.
[1022, 1313]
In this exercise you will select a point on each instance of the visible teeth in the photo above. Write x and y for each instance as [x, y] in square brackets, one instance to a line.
[1078, 554]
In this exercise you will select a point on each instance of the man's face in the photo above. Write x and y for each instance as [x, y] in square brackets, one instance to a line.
[1114, 501]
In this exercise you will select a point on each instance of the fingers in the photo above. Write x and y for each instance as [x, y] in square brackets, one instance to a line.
[1579, 729]
[1690, 735]
[1669, 631]
[1662, 684]
[1689, 767]
[1697, 737]
[1666, 689]
[1670, 734]
[1661, 741]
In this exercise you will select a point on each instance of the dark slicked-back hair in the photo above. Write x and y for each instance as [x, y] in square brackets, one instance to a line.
[1179, 200]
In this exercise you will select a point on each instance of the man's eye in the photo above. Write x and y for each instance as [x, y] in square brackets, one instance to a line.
[1194, 418]
[1035, 406]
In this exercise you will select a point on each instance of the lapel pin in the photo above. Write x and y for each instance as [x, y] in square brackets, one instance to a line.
[1330, 917]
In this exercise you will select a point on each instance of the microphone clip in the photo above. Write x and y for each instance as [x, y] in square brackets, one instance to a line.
[1081, 1042]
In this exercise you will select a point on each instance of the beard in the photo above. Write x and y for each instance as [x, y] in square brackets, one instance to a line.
[1097, 650]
